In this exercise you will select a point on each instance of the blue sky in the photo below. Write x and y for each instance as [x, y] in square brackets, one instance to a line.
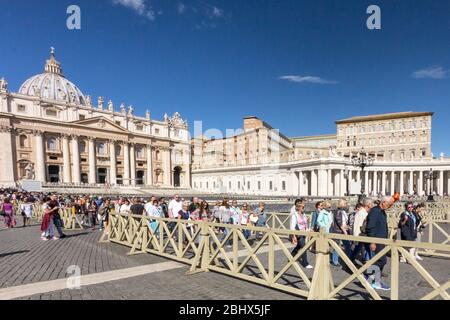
[300, 65]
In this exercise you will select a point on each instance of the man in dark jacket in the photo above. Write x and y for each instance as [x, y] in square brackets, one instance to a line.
[377, 227]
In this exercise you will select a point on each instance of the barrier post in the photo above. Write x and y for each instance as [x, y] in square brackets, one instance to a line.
[322, 281]
[202, 255]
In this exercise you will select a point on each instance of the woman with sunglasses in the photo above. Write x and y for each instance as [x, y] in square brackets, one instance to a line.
[245, 220]
[408, 227]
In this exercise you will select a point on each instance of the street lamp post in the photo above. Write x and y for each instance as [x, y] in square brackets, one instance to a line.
[362, 161]
[430, 176]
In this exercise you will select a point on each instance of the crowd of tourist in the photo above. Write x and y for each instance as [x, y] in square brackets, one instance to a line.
[368, 219]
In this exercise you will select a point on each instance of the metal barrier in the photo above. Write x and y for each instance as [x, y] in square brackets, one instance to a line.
[197, 243]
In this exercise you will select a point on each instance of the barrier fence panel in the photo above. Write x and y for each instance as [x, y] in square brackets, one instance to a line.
[265, 256]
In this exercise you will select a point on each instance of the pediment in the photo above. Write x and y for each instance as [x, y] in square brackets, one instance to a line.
[100, 123]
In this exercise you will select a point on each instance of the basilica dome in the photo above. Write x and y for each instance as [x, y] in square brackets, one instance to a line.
[52, 84]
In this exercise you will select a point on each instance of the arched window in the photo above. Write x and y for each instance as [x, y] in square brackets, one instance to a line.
[158, 155]
[118, 150]
[23, 141]
[52, 143]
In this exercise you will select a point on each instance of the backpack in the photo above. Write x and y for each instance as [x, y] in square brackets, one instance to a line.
[364, 228]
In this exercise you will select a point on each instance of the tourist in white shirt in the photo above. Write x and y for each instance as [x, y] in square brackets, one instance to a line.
[175, 206]
[151, 210]
[235, 212]
[360, 218]
[125, 207]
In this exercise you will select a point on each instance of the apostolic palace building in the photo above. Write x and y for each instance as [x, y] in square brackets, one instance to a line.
[52, 133]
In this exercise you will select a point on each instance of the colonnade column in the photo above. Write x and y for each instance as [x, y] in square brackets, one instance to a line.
[126, 164]
[441, 183]
[300, 183]
[343, 184]
[132, 164]
[294, 183]
[149, 166]
[329, 185]
[112, 163]
[374, 183]
[66, 159]
[40, 156]
[411, 182]
[366, 182]
[92, 164]
[313, 183]
[420, 183]
[383, 182]
[402, 191]
[6, 157]
[167, 167]
[392, 182]
[76, 178]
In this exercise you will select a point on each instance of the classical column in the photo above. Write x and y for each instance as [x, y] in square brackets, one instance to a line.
[132, 164]
[76, 177]
[411, 182]
[383, 182]
[402, 191]
[294, 183]
[448, 182]
[392, 182]
[441, 182]
[329, 184]
[40, 156]
[126, 164]
[358, 175]
[343, 184]
[322, 185]
[313, 183]
[374, 183]
[337, 183]
[6, 157]
[66, 158]
[112, 163]
[167, 167]
[420, 183]
[300, 183]
[92, 175]
[149, 166]
[366, 181]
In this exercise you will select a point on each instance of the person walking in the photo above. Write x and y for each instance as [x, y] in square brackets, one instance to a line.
[7, 208]
[26, 209]
[340, 226]
[408, 227]
[420, 226]
[377, 227]
[299, 222]
[260, 212]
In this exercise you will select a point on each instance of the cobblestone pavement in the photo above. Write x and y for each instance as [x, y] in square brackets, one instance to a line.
[25, 259]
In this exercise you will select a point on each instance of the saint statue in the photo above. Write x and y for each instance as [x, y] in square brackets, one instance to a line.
[122, 108]
[110, 106]
[89, 101]
[147, 115]
[130, 110]
[3, 84]
[100, 103]
[29, 172]
[166, 118]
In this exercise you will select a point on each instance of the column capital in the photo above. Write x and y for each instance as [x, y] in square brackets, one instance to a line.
[38, 132]
[6, 129]
[74, 136]
[91, 139]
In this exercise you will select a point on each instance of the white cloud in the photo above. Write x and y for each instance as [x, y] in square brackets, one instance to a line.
[139, 6]
[431, 73]
[307, 79]
[181, 8]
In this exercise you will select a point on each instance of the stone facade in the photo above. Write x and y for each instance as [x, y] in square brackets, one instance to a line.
[52, 133]
[321, 165]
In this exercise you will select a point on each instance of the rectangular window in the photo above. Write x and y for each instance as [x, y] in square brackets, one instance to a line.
[248, 185]
[270, 185]
[283, 185]
[156, 131]
[229, 184]
[259, 185]
[82, 117]
[51, 113]
[140, 127]
[118, 123]
[21, 108]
